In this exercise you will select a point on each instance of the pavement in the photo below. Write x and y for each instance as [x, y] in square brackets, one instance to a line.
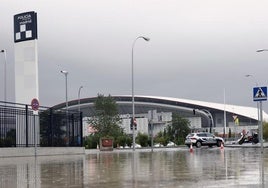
[246, 145]
[230, 144]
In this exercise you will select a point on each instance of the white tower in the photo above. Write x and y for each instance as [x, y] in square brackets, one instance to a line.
[26, 59]
[26, 73]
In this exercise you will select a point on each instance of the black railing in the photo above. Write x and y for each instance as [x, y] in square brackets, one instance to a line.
[20, 126]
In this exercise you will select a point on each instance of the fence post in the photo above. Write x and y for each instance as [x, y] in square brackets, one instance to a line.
[26, 125]
[81, 129]
[72, 130]
[51, 132]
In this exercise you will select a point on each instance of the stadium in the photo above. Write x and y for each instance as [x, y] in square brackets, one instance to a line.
[203, 116]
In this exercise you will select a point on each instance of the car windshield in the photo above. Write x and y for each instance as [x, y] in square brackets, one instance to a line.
[202, 134]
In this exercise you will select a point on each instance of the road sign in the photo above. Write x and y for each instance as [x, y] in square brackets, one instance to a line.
[259, 93]
[35, 104]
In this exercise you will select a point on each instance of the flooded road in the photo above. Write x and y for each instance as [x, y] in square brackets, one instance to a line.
[173, 167]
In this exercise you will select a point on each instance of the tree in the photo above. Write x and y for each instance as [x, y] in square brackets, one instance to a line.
[91, 141]
[161, 138]
[265, 130]
[179, 129]
[123, 140]
[106, 118]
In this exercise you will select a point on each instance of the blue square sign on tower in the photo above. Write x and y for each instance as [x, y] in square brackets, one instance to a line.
[259, 93]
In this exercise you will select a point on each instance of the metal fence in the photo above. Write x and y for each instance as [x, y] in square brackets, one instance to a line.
[20, 126]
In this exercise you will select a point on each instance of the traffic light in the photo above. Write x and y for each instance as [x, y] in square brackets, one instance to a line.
[133, 123]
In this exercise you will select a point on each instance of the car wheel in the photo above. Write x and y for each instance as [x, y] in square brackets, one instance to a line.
[198, 144]
[219, 143]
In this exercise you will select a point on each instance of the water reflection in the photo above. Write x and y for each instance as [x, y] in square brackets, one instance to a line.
[205, 167]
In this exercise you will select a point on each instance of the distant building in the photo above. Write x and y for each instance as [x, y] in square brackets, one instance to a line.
[204, 116]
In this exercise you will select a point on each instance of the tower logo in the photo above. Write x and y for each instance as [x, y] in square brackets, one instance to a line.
[25, 26]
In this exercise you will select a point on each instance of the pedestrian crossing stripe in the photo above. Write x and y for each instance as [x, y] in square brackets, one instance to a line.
[260, 93]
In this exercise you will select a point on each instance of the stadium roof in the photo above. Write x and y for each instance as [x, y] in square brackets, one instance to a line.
[249, 112]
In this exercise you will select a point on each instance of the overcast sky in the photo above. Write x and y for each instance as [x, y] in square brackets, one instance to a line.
[197, 48]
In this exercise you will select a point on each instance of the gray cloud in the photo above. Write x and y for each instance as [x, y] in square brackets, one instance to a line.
[196, 50]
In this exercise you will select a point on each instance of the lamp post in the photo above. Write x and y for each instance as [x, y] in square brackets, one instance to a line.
[66, 88]
[258, 106]
[79, 98]
[260, 111]
[132, 83]
[261, 50]
[250, 75]
[224, 115]
[5, 75]
[66, 102]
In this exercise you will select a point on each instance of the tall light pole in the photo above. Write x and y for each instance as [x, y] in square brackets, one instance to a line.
[261, 50]
[250, 75]
[260, 105]
[256, 83]
[79, 90]
[224, 114]
[132, 83]
[66, 88]
[5, 75]
[66, 103]
[258, 102]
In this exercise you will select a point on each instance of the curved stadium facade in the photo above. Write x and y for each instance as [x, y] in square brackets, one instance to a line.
[205, 116]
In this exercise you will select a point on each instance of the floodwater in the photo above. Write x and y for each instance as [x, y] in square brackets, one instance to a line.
[173, 167]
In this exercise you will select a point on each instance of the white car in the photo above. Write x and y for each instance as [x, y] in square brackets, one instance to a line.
[136, 146]
[158, 145]
[170, 144]
[203, 139]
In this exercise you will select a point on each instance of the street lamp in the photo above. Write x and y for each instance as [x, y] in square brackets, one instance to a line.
[66, 89]
[256, 83]
[249, 75]
[79, 98]
[260, 111]
[261, 50]
[5, 75]
[132, 83]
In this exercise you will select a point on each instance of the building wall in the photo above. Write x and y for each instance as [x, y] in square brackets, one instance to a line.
[164, 118]
[195, 122]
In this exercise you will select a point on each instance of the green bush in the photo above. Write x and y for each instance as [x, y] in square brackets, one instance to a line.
[142, 139]
[91, 142]
[128, 141]
[265, 130]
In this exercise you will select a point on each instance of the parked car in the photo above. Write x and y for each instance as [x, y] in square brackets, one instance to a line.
[203, 139]
[158, 145]
[136, 146]
[170, 144]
